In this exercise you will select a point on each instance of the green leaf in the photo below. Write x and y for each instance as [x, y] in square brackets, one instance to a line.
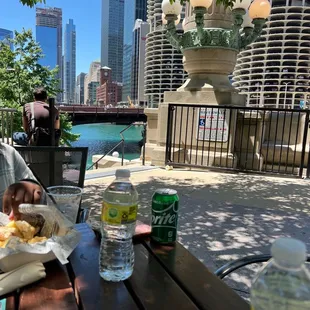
[67, 137]
[31, 3]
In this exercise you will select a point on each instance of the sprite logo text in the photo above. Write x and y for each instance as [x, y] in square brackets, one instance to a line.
[167, 217]
[163, 219]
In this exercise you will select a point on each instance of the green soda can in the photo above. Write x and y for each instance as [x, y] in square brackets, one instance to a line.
[165, 208]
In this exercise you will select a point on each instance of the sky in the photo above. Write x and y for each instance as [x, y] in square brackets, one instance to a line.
[86, 16]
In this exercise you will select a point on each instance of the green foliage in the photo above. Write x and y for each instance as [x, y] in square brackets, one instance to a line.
[67, 137]
[20, 73]
[226, 3]
[31, 3]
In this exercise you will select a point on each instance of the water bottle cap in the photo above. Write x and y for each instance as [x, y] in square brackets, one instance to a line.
[122, 173]
[289, 251]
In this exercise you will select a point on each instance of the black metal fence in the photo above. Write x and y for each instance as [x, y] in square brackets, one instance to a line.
[6, 124]
[238, 138]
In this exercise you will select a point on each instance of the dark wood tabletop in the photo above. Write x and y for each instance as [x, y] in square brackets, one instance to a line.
[164, 277]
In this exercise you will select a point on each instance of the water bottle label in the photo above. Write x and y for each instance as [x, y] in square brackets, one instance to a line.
[118, 215]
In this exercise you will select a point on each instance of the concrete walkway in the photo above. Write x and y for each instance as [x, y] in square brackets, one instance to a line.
[223, 216]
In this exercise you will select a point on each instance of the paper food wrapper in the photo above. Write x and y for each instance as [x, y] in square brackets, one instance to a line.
[62, 238]
[20, 277]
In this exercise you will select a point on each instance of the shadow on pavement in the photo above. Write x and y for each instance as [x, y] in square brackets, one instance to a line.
[230, 217]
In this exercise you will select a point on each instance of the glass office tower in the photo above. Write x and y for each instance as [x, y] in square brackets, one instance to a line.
[69, 62]
[49, 36]
[5, 35]
[112, 35]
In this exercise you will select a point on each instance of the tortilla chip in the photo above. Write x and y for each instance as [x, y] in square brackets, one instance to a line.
[25, 229]
[5, 233]
[37, 239]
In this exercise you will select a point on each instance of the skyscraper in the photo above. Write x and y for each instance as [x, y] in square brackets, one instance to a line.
[79, 89]
[127, 62]
[163, 64]
[69, 62]
[92, 76]
[112, 35]
[92, 92]
[134, 9]
[274, 70]
[5, 35]
[49, 36]
[140, 9]
[138, 61]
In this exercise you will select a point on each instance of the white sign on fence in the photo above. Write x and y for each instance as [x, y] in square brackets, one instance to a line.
[213, 124]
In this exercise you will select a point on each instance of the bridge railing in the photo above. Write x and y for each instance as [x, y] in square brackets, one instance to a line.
[96, 110]
[122, 144]
[6, 125]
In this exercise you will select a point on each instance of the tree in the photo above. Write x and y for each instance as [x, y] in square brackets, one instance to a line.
[20, 73]
[31, 3]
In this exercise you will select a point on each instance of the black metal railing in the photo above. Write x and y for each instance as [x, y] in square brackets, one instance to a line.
[240, 138]
[122, 144]
[53, 165]
[6, 125]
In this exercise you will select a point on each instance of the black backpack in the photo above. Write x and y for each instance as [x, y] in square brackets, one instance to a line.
[41, 136]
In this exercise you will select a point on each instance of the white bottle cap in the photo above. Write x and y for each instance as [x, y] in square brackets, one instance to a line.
[289, 251]
[122, 173]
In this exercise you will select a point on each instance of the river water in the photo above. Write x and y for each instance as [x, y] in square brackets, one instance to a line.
[102, 137]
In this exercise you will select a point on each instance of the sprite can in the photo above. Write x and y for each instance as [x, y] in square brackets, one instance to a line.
[165, 207]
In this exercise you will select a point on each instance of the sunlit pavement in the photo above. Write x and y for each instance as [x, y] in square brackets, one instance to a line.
[223, 216]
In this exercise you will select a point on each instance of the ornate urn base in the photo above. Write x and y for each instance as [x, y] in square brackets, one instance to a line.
[208, 82]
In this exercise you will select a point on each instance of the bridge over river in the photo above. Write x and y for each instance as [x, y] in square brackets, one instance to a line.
[82, 114]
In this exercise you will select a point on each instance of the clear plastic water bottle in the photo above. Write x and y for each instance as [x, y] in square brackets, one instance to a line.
[118, 221]
[284, 283]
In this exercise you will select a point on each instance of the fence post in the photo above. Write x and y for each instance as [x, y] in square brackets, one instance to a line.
[144, 142]
[304, 142]
[52, 164]
[169, 133]
[123, 150]
[12, 117]
[308, 163]
[2, 126]
[7, 113]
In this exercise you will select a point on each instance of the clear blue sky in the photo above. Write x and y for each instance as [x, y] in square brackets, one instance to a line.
[86, 16]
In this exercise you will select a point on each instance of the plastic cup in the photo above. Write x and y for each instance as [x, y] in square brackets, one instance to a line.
[66, 199]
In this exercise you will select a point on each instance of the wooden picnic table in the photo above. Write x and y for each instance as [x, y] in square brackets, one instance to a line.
[164, 277]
